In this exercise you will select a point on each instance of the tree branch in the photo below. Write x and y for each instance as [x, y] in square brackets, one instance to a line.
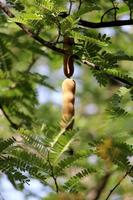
[113, 77]
[105, 24]
[62, 51]
[70, 7]
[114, 8]
[119, 182]
[13, 125]
[80, 3]
[102, 185]
[31, 33]
[34, 59]
[52, 174]
[108, 24]
[81, 22]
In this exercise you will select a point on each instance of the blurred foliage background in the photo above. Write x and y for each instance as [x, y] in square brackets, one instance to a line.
[30, 90]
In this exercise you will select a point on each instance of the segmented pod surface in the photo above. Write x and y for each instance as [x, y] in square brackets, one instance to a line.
[68, 96]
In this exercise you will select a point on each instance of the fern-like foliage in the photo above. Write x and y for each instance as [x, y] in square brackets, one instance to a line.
[73, 184]
[70, 161]
[14, 97]
[7, 162]
[42, 158]
[4, 144]
[45, 154]
[116, 152]
[116, 107]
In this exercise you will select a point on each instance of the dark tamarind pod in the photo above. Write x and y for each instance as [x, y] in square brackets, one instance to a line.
[68, 110]
[68, 59]
[68, 66]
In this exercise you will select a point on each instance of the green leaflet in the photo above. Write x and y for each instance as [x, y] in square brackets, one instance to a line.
[73, 184]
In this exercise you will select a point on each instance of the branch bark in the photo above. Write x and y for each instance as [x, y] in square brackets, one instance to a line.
[113, 77]
[102, 185]
[115, 23]
[53, 47]
[119, 182]
[52, 174]
[29, 32]
[13, 125]
[102, 24]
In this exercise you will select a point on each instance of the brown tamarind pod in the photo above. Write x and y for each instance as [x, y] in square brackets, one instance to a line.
[68, 110]
[68, 97]
[68, 85]
[68, 59]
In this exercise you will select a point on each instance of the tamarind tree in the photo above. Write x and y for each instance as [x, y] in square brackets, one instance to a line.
[41, 43]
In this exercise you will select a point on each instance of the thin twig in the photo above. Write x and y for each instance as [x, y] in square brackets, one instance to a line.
[59, 32]
[80, 3]
[70, 7]
[113, 77]
[130, 8]
[114, 8]
[38, 31]
[130, 13]
[102, 185]
[119, 182]
[13, 125]
[31, 63]
[52, 174]
[115, 14]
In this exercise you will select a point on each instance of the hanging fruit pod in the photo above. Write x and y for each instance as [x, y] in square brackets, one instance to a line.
[68, 110]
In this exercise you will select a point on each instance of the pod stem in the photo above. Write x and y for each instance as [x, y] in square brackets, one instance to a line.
[68, 85]
[68, 59]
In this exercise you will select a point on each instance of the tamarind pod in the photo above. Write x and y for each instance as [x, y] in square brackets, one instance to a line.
[68, 88]
[68, 125]
[68, 109]
[68, 65]
[68, 59]
[67, 118]
[68, 97]
[67, 121]
[68, 85]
